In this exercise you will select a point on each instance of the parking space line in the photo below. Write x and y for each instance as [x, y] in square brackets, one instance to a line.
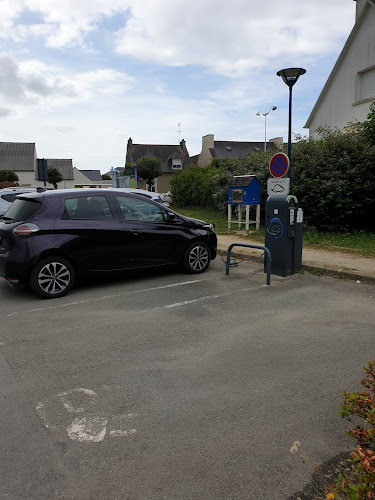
[207, 297]
[106, 297]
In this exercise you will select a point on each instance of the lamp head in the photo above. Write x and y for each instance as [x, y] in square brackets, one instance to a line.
[291, 75]
[274, 107]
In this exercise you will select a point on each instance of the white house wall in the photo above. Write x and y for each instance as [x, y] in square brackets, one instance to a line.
[28, 179]
[341, 102]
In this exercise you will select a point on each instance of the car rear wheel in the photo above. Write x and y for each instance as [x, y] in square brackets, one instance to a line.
[52, 277]
[197, 258]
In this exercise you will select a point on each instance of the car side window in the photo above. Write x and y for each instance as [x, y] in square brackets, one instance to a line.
[87, 207]
[136, 209]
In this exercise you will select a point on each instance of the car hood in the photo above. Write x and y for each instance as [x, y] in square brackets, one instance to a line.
[198, 222]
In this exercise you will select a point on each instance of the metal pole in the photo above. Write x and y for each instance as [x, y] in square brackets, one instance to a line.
[265, 131]
[290, 133]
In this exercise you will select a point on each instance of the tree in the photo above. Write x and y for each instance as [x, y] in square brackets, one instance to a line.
[106, 177]
[369, 124]
[54, 176]
[148, 168]
[8, 176]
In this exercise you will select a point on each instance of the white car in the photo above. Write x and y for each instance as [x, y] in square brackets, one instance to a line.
[7, 195]
[147, 194]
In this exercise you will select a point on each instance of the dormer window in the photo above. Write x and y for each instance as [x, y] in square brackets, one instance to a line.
[176, 163]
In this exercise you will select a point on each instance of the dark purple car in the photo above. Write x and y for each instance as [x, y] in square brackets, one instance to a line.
[49, 239]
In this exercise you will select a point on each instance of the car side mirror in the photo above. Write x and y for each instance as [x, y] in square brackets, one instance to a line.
[171, 217]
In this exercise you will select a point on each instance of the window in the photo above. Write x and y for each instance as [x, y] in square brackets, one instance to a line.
[9, 197]
[23, 209]
[177, 163]
[87, 207]
[237, 195]
[134, 209]
[366, 84]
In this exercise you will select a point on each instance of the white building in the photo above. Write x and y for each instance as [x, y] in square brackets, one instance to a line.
[350, 88]
[21, 158]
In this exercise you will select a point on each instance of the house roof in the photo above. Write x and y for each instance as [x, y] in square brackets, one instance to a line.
[338, 62]
[234, 149]
[164, 152]
[93, 175]
[241, 180]
[63, 166]
[17, 156]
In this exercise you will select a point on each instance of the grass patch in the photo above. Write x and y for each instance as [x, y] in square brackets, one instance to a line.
[359, 243]
[220, 220]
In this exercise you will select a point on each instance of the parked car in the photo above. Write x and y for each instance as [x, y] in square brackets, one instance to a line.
[147, 194]
[49, 239]
[7, 195]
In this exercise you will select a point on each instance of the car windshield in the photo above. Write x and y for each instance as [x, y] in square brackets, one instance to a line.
[22, 209]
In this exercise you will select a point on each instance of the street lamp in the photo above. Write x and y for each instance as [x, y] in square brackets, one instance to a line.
[290, 76]
[265, 123]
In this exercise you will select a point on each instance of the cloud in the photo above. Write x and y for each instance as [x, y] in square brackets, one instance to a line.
[229, 38]
[62, 24]
[232, 38]
[33, 82]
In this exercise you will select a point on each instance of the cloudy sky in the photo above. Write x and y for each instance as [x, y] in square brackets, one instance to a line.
[79, 77]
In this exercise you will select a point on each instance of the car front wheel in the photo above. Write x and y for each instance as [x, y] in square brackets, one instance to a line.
[197, 258]
[52, 277]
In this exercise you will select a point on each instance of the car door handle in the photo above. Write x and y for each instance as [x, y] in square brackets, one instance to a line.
[136, 232]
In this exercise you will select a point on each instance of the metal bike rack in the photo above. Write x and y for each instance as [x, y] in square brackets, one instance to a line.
[266, 251]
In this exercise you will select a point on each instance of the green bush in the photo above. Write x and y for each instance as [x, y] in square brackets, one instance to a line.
[193, 187]
[8, 176]
[360, 481]
[334, 180]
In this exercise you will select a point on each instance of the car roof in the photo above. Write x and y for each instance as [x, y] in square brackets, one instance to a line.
[79, 192]
[136, 190]
[26, 189]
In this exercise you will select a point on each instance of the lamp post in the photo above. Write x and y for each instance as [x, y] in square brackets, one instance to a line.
[265, 123]
[290, 76]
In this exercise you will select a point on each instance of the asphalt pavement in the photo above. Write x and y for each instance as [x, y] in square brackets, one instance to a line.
[171, 386]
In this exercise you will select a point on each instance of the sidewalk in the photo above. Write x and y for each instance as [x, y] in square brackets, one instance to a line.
[335, 263]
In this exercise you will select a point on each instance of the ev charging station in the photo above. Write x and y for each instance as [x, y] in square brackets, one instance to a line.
[283, 221]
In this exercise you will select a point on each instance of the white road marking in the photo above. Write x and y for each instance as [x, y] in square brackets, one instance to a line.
[125, 415]
[66, 401]
[123, 433]
[88, 429]
[207, 297]
[104, 297]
